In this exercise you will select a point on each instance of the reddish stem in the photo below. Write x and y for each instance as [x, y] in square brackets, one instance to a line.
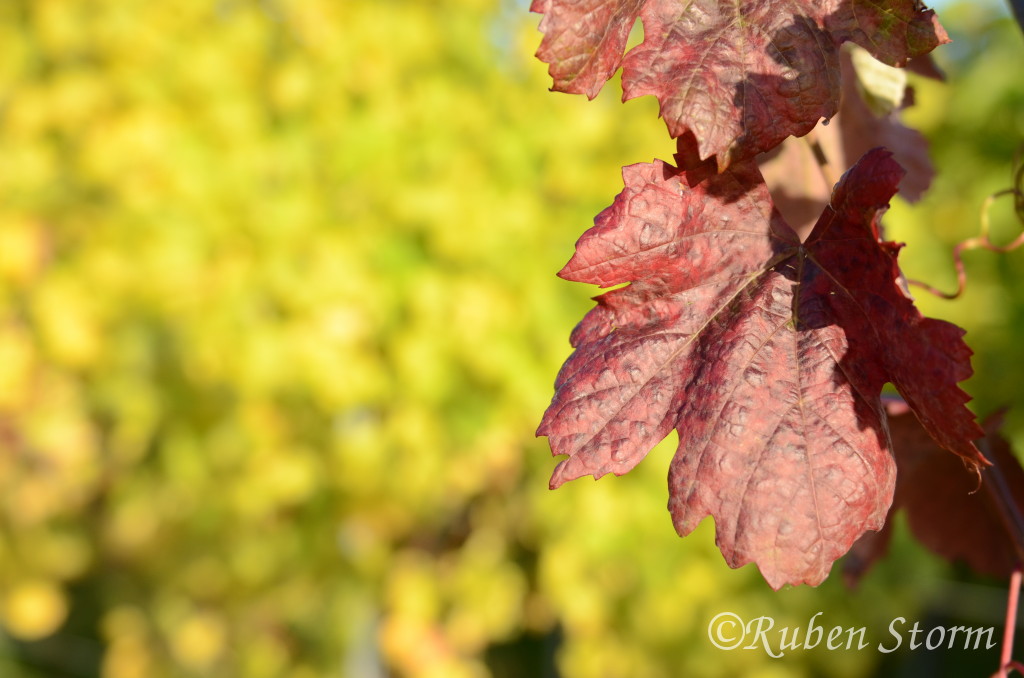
[980, 241]
[1006, 507]
[1006, 661]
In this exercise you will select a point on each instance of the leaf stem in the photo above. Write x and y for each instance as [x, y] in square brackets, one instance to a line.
[828, 172]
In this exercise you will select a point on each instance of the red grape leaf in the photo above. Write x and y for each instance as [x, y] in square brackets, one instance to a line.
[584, 40]
[741, 75]
[946, 509]
[768, 356]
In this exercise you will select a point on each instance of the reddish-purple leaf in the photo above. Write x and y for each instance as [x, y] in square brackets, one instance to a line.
[768, 357]
[953, 511]
[741, 75]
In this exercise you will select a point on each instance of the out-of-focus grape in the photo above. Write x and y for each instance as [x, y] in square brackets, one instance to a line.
[34, 609]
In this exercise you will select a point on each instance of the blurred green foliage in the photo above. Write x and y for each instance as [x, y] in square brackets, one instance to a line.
[278, 318]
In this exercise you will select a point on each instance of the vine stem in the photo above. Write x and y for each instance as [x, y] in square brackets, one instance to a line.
[982, 241]
[1006, 661]
[1013, 522]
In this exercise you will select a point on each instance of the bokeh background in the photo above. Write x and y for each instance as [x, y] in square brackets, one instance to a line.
[278, 320]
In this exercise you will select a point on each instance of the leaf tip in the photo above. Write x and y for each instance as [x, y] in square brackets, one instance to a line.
[557, 480]
[561, 475]
[870, 184]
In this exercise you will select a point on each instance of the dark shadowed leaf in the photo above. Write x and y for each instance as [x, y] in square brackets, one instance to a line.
[950, 509]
